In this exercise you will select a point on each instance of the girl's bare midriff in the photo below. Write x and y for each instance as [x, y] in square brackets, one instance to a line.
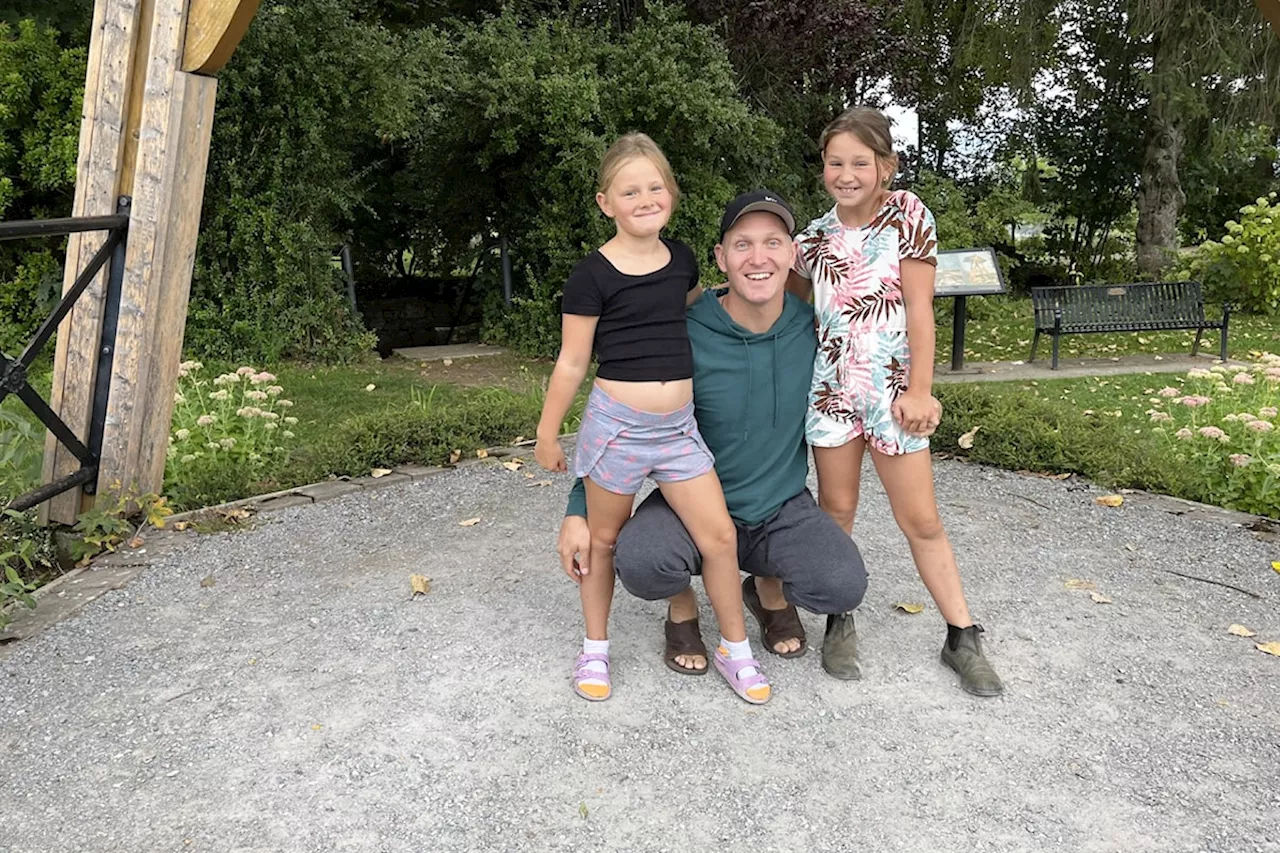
[656, 397]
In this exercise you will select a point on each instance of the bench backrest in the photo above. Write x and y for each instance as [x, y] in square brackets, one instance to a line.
[1144, 304]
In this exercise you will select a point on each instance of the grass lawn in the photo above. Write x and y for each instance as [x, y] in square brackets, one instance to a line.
[1001, 328]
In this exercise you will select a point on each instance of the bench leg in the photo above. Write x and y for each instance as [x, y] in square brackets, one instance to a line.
[1195, 348]
[1055, 352]
[1226, 321]
[1035, 342]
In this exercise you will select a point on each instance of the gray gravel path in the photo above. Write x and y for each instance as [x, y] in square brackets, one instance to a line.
[305, 703]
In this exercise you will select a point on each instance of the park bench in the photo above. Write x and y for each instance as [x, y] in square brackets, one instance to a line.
[1142, 307]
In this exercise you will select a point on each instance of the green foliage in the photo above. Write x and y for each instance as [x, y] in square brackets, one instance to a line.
[425, 431]
[1019, 431]
[1244, 266]
[1223, 169]
[511, 146]
[21, 455]
[306, 97]
[229, 434]
[41, 86]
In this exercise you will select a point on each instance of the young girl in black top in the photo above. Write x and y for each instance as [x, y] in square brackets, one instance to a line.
[626, 302]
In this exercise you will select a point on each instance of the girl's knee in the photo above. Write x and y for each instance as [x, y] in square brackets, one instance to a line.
[925, 526]
[718, 540]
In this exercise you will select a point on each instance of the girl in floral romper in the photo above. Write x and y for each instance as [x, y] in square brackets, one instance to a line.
[869, 264]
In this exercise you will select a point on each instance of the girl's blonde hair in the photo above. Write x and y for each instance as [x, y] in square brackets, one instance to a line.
[628, 148]
[871, 127]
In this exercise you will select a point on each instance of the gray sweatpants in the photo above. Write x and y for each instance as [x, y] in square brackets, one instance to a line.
[820, 567]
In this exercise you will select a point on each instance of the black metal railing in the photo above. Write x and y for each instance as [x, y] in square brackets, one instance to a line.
[13, 371]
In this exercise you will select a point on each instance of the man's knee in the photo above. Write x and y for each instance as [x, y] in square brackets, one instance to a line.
[649, 569]
[843, 586]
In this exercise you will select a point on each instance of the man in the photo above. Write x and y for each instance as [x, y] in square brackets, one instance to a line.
[753, 351]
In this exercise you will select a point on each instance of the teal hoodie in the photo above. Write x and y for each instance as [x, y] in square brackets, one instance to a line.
[750, 394]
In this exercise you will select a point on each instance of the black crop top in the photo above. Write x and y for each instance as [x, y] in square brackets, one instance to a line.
[641, 335]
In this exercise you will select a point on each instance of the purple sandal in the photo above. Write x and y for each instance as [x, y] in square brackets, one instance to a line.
[592, 692]
[754, 688]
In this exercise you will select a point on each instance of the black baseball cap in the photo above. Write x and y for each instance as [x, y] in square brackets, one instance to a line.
[765, 200]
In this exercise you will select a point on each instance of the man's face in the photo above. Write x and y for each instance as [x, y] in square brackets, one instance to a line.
[756, 255]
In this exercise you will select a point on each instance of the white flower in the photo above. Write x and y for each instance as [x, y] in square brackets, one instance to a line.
[284, 404]
[183, 434]
[220, 394]
[178, 398]
[190, 457]
[291, 421]
[287, 434]
[269, 426]
[205, 420]
[256, 396]
[275, 390]
[227, 443]
[245, 371]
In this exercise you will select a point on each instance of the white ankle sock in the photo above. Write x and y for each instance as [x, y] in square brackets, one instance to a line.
[739, 651]
[596, 647]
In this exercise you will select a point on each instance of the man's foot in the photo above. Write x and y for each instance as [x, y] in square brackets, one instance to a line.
[963, 653]
[781, 631]
[685, 652]
[840, 648]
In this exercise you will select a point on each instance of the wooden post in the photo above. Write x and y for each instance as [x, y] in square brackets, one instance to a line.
[146, 131]
[1271, 11]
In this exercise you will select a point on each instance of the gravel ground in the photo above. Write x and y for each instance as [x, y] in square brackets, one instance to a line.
[305, 703]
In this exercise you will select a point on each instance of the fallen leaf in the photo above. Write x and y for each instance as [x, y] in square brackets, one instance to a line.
[1272, 648]
[379, 472]
[517, 440]
[235, 514]
[315, 727]
[538, 483]
[137, 542]
[1276, 565]
[454, 456]
[470, 522]
[208, 582]
[482, 453]
[1109, 500]
[1077, 583]
[448, 362]
[370, 387]
[1130, 547]
[906, 607]
[1099, 598]
[420, 584]
[513, 464]
[966, 441]
[181, 525]
[1064, 475]
[529, 475]
[582, 810]
[1241, 631]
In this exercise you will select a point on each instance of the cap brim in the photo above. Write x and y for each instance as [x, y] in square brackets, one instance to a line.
[766, 207]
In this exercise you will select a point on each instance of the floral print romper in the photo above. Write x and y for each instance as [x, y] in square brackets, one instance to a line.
[863, 362]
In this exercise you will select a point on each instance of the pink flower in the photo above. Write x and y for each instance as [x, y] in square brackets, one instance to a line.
[1184, 434]
[1211, 432]
[1268, 412]
[1240, 460]
[1193, 401]
[1260, 426]
[260, 378]
[1243, 379]
[1273, 373]
[1169, 391]
[245, 371]
[1160, 417]
[205, 420]
[1199, 373]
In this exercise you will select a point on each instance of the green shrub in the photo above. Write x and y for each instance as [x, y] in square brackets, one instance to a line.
[1244, 266]
[1021, 432]
[21, 455]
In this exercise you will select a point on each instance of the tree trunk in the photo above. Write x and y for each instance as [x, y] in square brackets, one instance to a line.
[1160, 195]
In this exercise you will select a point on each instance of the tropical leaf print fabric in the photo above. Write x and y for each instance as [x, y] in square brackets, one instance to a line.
[862, 363]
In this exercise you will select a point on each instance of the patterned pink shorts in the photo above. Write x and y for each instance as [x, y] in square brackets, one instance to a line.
[618, 446]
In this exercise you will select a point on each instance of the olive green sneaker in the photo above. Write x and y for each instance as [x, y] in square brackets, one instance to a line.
[976, 675]
[840, 648]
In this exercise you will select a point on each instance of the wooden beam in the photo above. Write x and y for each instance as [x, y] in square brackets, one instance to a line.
[214, 28]
[156, 199]
[112, 55]
[1271, 11]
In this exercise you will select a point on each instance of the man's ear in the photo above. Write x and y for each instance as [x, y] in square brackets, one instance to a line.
[720, 258]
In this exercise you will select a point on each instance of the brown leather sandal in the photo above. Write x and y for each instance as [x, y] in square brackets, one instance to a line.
[684, 638]
[775, 625]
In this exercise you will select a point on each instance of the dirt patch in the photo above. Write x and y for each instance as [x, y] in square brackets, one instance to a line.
[515, 373]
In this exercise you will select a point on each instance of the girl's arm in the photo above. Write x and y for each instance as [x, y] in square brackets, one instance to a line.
[916, 409]
[576, 337]
[799, 285]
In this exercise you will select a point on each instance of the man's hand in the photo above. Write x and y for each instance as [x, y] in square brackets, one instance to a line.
[574, 547]
[918, 414]
[550, 455]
